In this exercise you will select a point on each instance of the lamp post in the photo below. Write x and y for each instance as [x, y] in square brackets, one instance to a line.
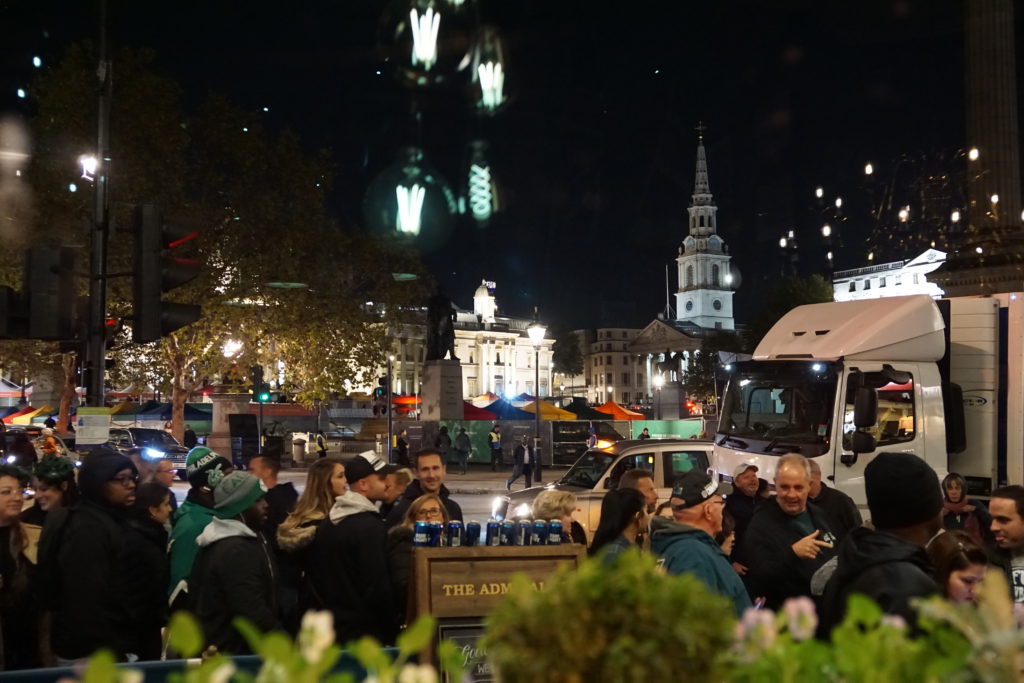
[536, 333]
[659, 381]
[608, 392]
[390, 409]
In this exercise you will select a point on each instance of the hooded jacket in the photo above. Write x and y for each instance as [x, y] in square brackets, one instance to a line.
[145, 584]
[233, 577]
[348, 570]
[189, 521]
[687, 549]
[414, 491]
[774, 570]
[881, 566]
[842, 513]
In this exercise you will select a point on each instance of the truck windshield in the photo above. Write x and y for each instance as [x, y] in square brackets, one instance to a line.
[588, 469]
[773, 406]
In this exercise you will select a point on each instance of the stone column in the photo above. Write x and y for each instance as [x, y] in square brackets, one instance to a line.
[225, 404]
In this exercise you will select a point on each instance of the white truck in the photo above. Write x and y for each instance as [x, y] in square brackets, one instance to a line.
[841, 382]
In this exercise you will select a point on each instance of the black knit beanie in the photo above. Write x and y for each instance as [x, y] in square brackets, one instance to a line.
[902, 490]
[98, 468]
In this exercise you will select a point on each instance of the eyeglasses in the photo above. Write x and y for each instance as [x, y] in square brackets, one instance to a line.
[169, 471]
[430, 512]
[126, 480]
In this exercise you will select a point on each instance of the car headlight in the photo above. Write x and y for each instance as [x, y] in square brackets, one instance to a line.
[11, 459]
[498, 508]
[524, 511]
[152, 454]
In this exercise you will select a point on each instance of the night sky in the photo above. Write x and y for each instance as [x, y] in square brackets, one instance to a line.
[595, 152]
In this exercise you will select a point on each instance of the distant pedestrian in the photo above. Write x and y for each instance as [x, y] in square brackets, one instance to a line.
[591, 436]
[787, 539]
[349, 559]
[494, 443]
[624, 517]
[49, 445]
[644, 434]
[205, 469]
[686, 543]
[50, 423]
[234, 574]
[960, 565]
[321, 444]
[964, 514]
[430, 473]
[746, 496]
[888, 563]
[189, 440]
[443, 443]
[840, 510]
[402, 449]
[53, 479]
[145, 590]
[522, 463]
[463, 448]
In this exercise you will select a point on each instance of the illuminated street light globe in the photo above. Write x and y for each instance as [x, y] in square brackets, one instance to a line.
[426, 41]
[488, 70]
[733, 279]
[410, 201]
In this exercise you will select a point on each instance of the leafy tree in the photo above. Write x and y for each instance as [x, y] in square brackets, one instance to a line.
[700, 377]
[785, 295]
[566, 354]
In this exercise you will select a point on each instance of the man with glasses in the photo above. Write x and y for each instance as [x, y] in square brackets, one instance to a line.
[82, 561]
[686, 543]
[165, 473]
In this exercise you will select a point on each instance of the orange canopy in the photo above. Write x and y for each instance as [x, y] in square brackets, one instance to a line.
[618, 412]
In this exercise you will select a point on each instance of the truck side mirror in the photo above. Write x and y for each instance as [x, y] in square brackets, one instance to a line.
[865, 408]
[863, 442]
[848, 459]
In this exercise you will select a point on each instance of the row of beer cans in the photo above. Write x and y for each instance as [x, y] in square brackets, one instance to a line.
[455, 534]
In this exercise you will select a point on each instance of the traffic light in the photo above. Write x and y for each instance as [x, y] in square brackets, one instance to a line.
[264, 395]
[157, 272]
[380, 397]
[50, 292]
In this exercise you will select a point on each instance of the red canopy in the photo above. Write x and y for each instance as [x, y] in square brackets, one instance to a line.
[471, 412]
[9, 419]
[618, 412]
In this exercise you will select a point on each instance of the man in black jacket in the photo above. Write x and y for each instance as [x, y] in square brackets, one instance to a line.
[888, 563]
[430, 472]
[787, 539]
[1006, 553]
[842, 513]
[348, 561]
[82, 559]
[234, 574]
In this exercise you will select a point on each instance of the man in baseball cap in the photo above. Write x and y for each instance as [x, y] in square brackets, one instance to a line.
[205, 469]
[741, 504]
[234, 571]
[686, 543]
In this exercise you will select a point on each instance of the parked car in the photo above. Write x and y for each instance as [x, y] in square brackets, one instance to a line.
[598, 471]
[156, 444]
[340, 433]
[35, 435]
[569, 438]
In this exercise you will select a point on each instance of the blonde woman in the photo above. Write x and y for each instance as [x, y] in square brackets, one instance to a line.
[555, 504]
[324, 482]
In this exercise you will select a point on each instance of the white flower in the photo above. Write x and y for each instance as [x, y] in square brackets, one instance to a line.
[316, 634]
[758, 626]
[422, 673]
[894, 621]
[801, 619]
[223, 673]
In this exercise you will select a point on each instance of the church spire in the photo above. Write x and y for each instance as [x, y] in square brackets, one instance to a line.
[701, 188]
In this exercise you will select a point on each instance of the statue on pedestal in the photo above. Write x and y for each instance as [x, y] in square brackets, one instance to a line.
[440, 328]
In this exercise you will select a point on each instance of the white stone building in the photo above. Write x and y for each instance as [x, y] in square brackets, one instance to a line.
[898, 278]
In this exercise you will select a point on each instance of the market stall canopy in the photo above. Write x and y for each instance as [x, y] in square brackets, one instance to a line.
[163, 412]
[125, 408]
[618, 412]
[471, 412]
[9, 410]
[578, 407]
[26, 418]
[504, 410]
[484, 400]
[549, 412]
[407, 400]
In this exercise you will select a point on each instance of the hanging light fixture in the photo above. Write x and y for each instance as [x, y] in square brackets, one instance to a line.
[425, 40]
[410, 200]
[488, 71]
[481, 189]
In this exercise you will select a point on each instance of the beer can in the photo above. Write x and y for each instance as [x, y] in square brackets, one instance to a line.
[436, 534]
[421, 534]
[453, 535]
[473, 533]
[555, 532]
[523, 528]
[539, 536]
[493, 532]
[508, 532]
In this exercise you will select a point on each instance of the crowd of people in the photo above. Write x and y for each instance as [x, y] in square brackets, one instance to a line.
[244, 544]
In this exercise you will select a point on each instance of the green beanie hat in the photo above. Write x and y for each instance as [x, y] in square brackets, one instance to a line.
[205, 468]
[236, 493]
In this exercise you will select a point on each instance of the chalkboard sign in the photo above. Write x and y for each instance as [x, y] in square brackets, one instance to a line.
[466, 634]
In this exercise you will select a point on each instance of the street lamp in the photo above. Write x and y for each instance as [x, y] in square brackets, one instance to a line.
[608, 391]
[659, 382]
[390, 408]
[536, 333]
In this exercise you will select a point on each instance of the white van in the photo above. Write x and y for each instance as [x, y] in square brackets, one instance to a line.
[598, 471]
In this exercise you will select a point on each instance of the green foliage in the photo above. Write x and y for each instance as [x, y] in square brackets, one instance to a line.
[700, 377]
[785, 295]
[627, 622]
[184, 635]
[566, 354]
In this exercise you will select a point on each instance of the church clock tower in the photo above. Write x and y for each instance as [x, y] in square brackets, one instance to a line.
[704, 297]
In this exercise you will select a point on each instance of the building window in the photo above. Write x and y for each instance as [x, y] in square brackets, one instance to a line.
[714, 275]
[881, 282]
[867, 285]
[608, 377]
[625, 397]
[899, 281]
[689, 276]
[853, 286]
[625, 360]
[718, 326]
[689, 306]
[716, 304]
[625, 335]
[640, 380]
[608, 360]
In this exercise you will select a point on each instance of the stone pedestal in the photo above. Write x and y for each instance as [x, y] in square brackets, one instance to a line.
[668, 402]
[442, 390]
[225, 404]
